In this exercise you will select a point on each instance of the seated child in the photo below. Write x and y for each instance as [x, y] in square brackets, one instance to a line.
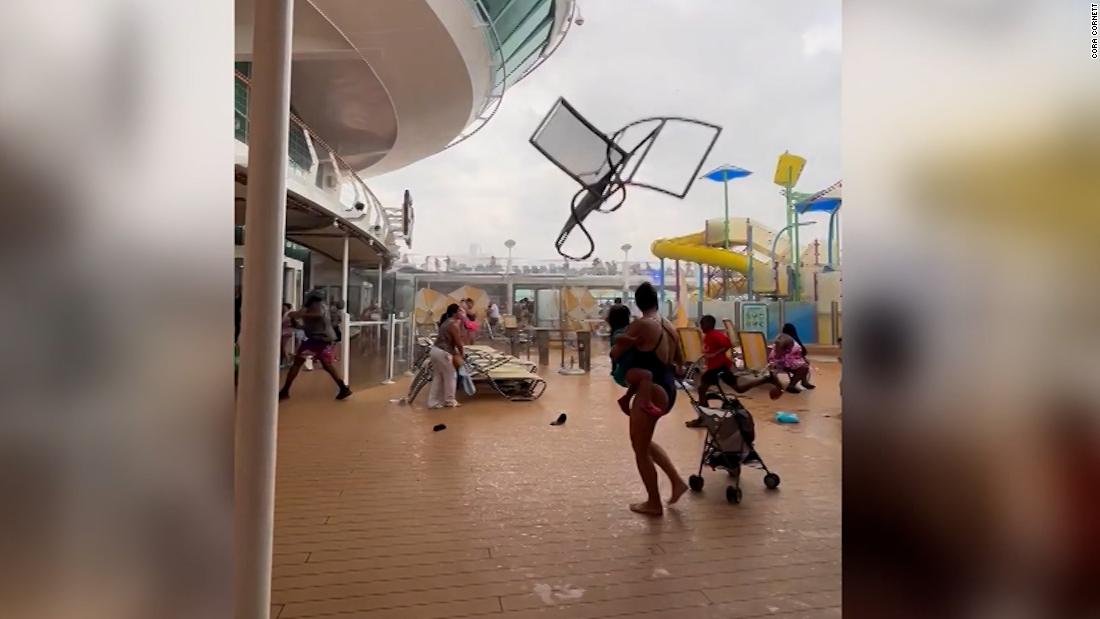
[623, 368]
[786, 356]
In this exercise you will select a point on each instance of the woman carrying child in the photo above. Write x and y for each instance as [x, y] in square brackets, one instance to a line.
[648, 351]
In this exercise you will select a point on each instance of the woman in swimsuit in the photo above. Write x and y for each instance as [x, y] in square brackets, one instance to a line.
[656, 347]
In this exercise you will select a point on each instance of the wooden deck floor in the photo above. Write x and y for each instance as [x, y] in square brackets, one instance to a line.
[503, 516]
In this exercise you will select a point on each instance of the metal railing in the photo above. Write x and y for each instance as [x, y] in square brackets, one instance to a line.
[311, 160]
[500, 80]
[523, 266]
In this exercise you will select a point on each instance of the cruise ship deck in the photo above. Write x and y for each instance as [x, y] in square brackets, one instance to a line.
[503, 515]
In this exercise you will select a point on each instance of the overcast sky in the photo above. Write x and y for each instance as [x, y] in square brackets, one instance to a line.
[767, 72]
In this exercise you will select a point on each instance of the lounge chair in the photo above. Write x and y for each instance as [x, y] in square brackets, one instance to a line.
[754, 352]
[691, 345]
[491, 354]
[510, 377]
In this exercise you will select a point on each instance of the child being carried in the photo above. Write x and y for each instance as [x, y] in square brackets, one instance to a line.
[624, 369]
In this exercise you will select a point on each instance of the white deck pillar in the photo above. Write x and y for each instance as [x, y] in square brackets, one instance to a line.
[265, 233]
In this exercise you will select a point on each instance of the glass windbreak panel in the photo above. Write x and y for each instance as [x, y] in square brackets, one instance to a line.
[526, 54]
[515, 17]
[369, 348]
[493, 8]
[240, 110]
[517, 71]
[498, 74]
[535, 29]
[404, 298]
[298, 147]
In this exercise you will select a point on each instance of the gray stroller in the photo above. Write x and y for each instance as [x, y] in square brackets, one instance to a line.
[729, 442]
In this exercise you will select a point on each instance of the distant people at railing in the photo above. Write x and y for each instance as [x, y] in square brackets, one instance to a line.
[523, 313]
[369, 334]
[604, 310]
[470, 320]
[494, 316]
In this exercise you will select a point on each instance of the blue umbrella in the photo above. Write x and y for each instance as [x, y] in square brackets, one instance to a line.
[826, 201]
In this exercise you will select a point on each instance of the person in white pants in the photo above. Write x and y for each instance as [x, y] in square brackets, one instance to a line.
[444, 376]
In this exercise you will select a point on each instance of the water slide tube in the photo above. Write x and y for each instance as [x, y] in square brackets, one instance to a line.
[693, 248]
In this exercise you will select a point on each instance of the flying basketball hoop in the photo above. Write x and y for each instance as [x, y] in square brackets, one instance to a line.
[605, 165]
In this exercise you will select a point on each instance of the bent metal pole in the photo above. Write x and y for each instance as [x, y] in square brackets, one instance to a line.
[265, 233]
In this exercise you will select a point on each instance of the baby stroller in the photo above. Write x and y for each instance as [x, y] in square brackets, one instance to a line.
[729, 442]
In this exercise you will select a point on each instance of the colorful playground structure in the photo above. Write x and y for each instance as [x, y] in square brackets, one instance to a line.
[753, 254]
[737, 269]
[742, 261]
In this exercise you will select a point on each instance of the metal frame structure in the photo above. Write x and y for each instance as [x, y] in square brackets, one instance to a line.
[621, 166]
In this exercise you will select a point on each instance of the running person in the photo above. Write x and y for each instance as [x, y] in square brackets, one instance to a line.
[317, 323]
[719, 367]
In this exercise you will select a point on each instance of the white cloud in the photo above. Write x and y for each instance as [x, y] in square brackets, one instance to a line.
[820, 39]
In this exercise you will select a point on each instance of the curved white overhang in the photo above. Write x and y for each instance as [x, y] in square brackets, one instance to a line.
[389, 82]
[333, 88]
[376, 79]
[411, 49]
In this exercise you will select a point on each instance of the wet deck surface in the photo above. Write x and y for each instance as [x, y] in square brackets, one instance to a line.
[502, 515]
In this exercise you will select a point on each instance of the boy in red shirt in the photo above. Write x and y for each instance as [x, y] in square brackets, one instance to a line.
[716, 346]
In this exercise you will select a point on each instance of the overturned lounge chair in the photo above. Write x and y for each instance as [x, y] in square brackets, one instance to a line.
[510, 377]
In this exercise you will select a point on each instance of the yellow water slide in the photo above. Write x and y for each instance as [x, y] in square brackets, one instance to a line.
[706, 248]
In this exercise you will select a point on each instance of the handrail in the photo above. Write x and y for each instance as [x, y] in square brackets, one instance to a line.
[375, 219]
[488, 109]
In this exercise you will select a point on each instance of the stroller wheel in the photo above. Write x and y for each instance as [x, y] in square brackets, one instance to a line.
[695, 483]
[771, 480]
[733, 495]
